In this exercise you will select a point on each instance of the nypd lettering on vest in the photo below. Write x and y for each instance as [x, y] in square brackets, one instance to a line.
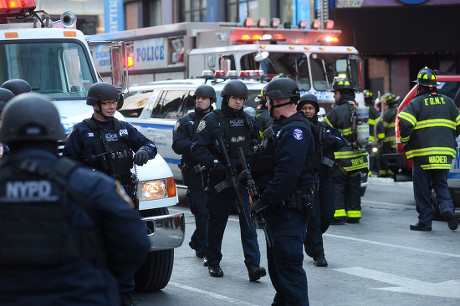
[237, 122]
[30, 191]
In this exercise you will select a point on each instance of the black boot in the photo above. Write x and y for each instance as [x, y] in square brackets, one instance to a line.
[320, 260]
[451, 220]
[255, 272]
[215, 271]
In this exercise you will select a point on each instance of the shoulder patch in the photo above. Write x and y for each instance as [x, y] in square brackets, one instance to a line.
[71, 131]
[201, 126]
[2, 150]
[298, 134]
[176, 126]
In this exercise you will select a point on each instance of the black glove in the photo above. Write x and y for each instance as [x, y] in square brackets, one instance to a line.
[256, 212]
[141, 157]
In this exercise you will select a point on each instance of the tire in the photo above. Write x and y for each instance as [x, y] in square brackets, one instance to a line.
[155, 272]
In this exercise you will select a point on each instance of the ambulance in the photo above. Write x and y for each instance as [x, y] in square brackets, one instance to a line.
[55, 59]
[312, 57]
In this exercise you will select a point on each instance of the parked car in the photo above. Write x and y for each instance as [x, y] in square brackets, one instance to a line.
[448, 85]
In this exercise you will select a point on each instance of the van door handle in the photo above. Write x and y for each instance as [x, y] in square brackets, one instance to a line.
[150, 130]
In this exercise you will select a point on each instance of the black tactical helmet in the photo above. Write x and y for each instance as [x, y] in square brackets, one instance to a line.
[31, 117]
[205, 91]
[308, 99]
[426, 77]
[390, 98]
[342, 83]
[5, 96]
[103, 91]
[17, 86]
[283, 88]
[235, 88]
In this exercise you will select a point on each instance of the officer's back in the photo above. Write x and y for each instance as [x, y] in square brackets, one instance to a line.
[64, 234]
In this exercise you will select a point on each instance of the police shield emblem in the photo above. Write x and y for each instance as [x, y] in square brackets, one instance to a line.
[176, 126]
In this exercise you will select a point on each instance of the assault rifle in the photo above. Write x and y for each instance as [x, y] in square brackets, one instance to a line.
[232, 179]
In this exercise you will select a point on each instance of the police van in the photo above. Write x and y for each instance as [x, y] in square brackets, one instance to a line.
[155, 108]
[54, 58]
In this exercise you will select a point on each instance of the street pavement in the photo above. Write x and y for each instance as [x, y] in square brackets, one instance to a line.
[376, 262]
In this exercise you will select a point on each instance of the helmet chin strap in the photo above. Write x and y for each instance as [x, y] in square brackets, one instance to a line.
[279, 105]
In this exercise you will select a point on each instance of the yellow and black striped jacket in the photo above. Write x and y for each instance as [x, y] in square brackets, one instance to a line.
[428, 126]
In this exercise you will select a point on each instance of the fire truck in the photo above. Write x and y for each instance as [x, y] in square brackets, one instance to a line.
[55, 59]
[312, 57]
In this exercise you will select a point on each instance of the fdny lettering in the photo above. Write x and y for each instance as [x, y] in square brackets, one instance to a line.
[237, 122]
[237, 139]
[111, 137]
[29, 191]
[298, 134]
[123, 132]
[437, 159]
[434, 101]
[357, 161]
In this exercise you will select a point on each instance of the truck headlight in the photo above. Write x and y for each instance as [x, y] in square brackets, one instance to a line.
[157, 189]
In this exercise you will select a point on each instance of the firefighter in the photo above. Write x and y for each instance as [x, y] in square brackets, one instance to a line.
[104, 143]
[374, 115]
[237, 130]
[5, 96]
[350, 159]
[192, 173]
[386, 131]
[428, 127]
[17, 86]
[289, 158]
[263, 118]
[330, 140]
[66, 231]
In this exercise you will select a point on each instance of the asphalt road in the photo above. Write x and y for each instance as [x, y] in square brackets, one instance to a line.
[376, 262]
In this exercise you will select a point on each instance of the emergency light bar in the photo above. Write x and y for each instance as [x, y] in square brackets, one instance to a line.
[16, 8]
[232, 74]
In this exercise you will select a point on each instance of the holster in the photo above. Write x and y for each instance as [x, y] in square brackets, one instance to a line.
[302, 201]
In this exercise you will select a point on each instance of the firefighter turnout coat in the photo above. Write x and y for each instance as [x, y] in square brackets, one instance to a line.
[428, 127]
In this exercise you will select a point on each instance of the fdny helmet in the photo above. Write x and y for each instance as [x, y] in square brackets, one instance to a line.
[426, 77]
[341, 84]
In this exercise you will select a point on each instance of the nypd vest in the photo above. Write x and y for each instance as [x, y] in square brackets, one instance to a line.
[33, 217]
[112, 155]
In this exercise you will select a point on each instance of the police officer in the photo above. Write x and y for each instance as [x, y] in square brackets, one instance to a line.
[330, 140]
[386, 131]
[5, 96]
[374, 116]
[285, 198]
[192, 172]
[65, 229]
[428, 127]
[104, 143]
[350, 159]
[237, 130]
[17, 86]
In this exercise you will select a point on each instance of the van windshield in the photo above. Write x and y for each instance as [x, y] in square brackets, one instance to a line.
[58, 69]
[326, 66]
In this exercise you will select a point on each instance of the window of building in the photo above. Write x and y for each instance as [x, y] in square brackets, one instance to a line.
[193, 10]
[238, 10]
[152, 13]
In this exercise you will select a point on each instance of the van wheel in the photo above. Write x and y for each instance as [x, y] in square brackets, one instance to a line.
[155, 272]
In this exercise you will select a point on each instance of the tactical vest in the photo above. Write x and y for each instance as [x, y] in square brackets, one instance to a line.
[263, 159]
[236, 131]
[112, 154]
[33, 216]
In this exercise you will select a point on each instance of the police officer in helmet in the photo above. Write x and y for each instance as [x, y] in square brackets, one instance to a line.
[431, 147]
[350, 159]
[286, 198]
[104, 143]
[237, 130]
[5, 96]
[192, 172]
[88, 232]
[17, 86]
[330, 140]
